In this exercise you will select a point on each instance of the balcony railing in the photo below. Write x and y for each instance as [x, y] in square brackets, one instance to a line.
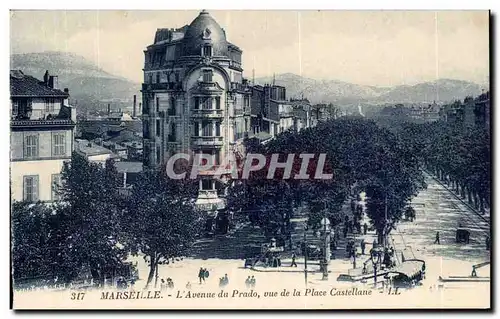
[50, 122]
[235, 64]
[239, 86]
[207, 85]
[207, 140]
[207, 113]
[162, 86]
[216, 169]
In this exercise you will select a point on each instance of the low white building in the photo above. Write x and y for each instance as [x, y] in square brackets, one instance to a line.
[93, 152]
[41, 136]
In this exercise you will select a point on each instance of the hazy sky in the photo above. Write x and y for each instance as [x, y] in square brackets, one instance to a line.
[382, 48]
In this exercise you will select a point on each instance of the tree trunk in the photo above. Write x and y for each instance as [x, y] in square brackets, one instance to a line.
[462, 191]
[96, 276]
[380, 237]
[152, 268]
[481, 204]
[476, 203]
[469, 195]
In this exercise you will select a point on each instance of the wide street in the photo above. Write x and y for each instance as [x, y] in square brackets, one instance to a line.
[436, 210]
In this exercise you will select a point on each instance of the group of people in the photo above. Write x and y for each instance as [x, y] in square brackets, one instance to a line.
[203, 274]
[121, 283]
[250, 282]
[169, 284]
[223, 281]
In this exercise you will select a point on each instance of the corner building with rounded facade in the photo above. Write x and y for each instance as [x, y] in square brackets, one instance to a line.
[194, 99]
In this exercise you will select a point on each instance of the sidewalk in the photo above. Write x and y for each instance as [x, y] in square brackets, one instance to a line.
[487, 211]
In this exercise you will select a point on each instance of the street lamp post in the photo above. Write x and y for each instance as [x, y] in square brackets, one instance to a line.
[326, 249]
[304, 220]
[375, 258]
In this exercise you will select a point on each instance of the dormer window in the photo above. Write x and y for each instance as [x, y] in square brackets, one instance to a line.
[207, 76]
[207, 50]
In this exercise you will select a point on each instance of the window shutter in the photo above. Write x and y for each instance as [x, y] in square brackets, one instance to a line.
[35, 188]
[25, 186]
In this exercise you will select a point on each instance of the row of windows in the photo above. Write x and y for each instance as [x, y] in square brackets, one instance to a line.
[168, 76]
[206, 103]
[23, 105]
[32, 145]
[31, 187]
[208, 128]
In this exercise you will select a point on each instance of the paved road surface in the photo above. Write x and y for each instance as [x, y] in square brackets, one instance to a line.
[439, 210]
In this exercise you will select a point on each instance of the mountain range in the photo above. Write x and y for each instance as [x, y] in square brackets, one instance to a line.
[92, 88]
[333, 91]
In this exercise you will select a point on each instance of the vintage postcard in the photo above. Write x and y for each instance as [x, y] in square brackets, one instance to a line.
[216, 159]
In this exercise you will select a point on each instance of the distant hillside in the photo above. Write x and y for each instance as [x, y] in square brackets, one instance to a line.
[339, 92]
[441, 90]
[91, 88]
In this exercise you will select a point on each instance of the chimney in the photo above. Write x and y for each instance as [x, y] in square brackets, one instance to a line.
[53, 82]
[135, 102]
[66, 90]
[109, 108]
[46, 77]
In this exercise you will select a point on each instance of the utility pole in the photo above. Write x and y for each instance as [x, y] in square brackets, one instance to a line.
[305, 255]
[325, 250]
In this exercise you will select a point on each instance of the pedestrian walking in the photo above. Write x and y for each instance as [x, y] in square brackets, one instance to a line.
[188, 285]
[170, 283]
[226, 280]
[365, 228]
[363, 246]
[294, 263]
[248, 282]
[201, 275]
[252, 282]
[437, 239]
[163, 284]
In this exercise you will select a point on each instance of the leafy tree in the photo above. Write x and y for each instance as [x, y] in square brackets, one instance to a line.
[162, 222]
[360, 154]
[30, 240]
[88, 227]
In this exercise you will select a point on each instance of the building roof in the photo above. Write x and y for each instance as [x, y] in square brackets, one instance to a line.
[90, 148]
[205, 29]
[22, 85]
[129, 167]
